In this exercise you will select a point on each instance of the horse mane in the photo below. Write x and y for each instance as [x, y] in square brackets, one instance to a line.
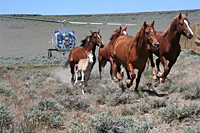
[168, 29]
[83, 42]
[137, 37]
[115, 32]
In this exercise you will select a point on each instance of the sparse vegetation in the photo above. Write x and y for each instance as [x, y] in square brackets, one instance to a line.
[173, 112]
[6, 117]
[36, 94]
[47, 111]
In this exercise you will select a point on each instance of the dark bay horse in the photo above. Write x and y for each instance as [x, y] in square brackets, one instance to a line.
[169, 45]
[106, 53]
[132, 52]
[79, 53]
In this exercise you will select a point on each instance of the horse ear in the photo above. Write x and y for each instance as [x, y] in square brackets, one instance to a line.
[186, 14]
[120, 28]
[152, 24]
[125, 28]
[99, 31]
[180, 16]
[91, 32]
[145, 24]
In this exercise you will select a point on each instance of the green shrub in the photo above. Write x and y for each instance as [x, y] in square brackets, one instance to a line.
[47, 111]
[5, 88]
[121, 98]
[172, 112]
[101, 98]
[168, 86]
[127, 111]
[6, 117]
[63, 89]
[157, 103]
[143, 107]
[192, 91]
[73, 102]
[192, 130]
[106, 123]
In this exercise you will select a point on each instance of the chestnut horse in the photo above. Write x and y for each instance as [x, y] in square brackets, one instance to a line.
[169, 45]
[132, 52]
[79, 52]
[106, 53]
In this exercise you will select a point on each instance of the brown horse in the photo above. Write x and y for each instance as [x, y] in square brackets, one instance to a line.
[106, 53]
[79, 53]
[169, 45]
[132, 52]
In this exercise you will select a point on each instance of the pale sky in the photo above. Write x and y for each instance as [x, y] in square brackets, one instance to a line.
[71, 7]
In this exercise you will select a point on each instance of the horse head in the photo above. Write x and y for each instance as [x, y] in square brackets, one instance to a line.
[90, 56]
[97, 39]
[183, 26]
[150, 34]
[123, 31]
[85, 42]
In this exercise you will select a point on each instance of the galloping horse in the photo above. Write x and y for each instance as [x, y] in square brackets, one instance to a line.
[106, 53]
[132, 52]
[169, 45]
[79, 52]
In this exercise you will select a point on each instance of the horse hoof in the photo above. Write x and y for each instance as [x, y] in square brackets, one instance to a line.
[159, 74]
[154, 77]
[162, 80]
[115, 79]
[127, 85]
[127, 81]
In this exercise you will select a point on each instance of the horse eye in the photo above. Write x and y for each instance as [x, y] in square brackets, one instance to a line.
[147, 33]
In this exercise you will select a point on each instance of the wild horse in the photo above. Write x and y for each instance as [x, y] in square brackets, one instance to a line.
[169, 45]
[106, 53]
[79, 53]
[132, 52]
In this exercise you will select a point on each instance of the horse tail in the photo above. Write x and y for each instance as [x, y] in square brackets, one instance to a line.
[66, 64]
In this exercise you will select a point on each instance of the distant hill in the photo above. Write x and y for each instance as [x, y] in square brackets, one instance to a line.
[113, 14]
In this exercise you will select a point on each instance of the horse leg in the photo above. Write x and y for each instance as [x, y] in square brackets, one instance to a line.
[84, 79]
[114, 72]
[76, 76]
[89, 70]
[152, 65]
[158, 66]
[166, 72]
[100, 62]
[166, 69]
[140, 71]
[131, 70]
[114, 69]
[82, 73]
[147, 64]
[119, 75]
[72, 71]
[127, 73]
